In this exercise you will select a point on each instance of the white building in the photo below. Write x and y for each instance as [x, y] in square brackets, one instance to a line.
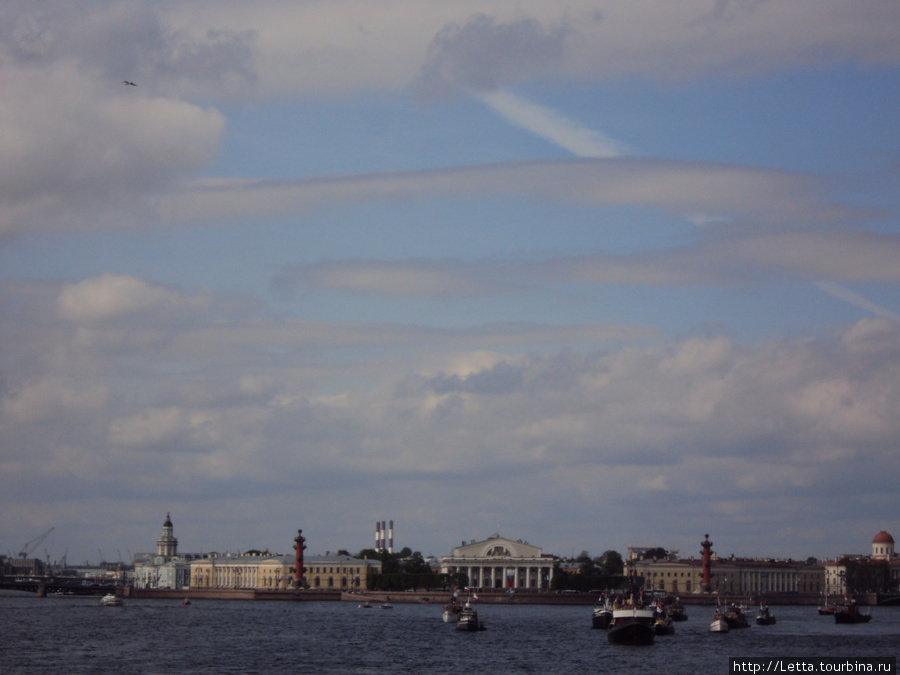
[500, 563]
[165, 568]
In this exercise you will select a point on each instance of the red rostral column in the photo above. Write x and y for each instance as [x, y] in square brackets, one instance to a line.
[706, 545]
[299, 545]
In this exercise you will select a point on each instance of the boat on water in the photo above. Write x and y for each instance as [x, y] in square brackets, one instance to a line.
[719, 624]
[468, 619]
[452, 610]
[764, 617]
[602, 615]
[849, 613]
[827, 609]
[735, 617]
[365, 605]
[632, 625]
[386, 605]
[110, 600]
[676, 611]
[662, 624]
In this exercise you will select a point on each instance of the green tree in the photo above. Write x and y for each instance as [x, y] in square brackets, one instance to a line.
[612, 563]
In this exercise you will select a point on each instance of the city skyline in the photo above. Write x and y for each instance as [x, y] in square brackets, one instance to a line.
[568, 271]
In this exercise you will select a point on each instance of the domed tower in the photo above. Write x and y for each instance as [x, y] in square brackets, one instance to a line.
[167, 544]
[883, 546]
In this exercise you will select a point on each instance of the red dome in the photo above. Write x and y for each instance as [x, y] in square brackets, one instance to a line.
[883, 538]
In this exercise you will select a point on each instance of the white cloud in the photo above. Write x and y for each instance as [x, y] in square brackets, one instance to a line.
[270, 405]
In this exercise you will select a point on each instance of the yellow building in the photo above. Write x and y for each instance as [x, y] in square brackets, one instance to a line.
[730, 575]
[276, 572]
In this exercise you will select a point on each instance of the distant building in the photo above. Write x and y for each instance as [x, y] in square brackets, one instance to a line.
[750, 576]
[500, 563]
[263, 571]
[882, 549]
[165, 568]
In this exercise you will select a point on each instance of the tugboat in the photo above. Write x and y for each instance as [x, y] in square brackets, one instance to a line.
[663, 625]
[735, 618]
[468, 619]
[602, 615]
[764, 617]
[676, 611]
[849, 613]
[719, 624]
[632, 625]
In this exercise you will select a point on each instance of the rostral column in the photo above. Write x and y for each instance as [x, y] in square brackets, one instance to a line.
[706, 545]
[299, 545]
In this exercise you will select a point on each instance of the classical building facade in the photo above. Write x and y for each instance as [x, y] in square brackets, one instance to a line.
[500, 563]
[752, 576]
[264, 571]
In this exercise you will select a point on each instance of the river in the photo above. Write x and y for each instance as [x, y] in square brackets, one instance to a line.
[76, 635]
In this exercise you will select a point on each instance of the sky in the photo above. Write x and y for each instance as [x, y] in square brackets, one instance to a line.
[582, 273]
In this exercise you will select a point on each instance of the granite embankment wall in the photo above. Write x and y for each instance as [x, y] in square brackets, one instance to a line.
[442, 597]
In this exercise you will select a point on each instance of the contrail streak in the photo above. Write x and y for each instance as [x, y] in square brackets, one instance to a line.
[552, 126]
[856, 299]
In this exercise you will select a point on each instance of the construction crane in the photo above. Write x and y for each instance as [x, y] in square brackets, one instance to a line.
[29, 546]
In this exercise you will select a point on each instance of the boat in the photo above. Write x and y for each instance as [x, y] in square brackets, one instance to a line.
[849, 613]
[386, 605]
[719, 624]
[468, 619]
[676, 611]
[186, 602]
[827, 609]
[735, 617]
[602, 615]
[110, 600]
[632, 625]
[365, 605]
[764, 617]
[662, 624]
[452, 610]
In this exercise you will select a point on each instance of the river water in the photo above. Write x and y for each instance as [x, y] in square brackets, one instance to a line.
[77, 635]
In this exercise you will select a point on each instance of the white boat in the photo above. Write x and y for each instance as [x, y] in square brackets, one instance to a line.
[602, 615]
[110, 600]
[452, 610]
[719, 624]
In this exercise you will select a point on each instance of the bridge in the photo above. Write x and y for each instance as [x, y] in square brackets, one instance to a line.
[54, 586]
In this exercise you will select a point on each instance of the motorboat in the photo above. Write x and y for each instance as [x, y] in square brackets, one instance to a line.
[735, 617]
[662, 624]
[676, 611]
[827, 609]
[764, 617]
[719, 624]
[468, 619]
[602, 615]
[849, 613]
[452, 610]
[110, 600]
[632, 625]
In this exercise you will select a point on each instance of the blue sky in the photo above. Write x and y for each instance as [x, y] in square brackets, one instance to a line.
[582, 273]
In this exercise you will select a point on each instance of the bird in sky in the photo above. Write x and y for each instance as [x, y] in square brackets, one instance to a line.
[129, 83]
